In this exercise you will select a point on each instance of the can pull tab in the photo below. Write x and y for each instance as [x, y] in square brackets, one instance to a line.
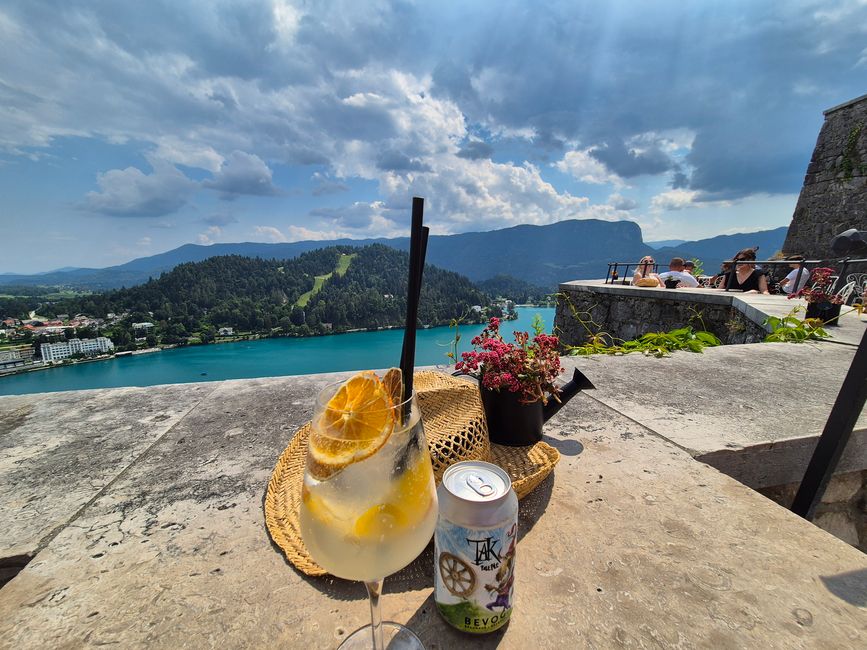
[479, 486]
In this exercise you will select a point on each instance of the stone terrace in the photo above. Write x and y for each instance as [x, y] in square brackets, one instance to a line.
[142, 512]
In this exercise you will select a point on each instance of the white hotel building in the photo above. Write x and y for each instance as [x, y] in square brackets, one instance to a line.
[57, 351]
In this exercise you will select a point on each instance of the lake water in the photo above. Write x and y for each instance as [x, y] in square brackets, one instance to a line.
[261, 358]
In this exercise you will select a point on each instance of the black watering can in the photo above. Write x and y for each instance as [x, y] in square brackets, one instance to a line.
[515, 424]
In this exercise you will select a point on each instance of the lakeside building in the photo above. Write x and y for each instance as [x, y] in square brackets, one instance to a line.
[16, 356]
[65, 349]
[142, 326]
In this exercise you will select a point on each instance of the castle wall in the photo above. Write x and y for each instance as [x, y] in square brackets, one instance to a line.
[834, 195]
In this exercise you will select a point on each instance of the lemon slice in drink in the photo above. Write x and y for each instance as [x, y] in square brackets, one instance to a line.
[410, 501]
[356, 423]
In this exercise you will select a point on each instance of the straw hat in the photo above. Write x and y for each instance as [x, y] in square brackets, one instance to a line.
[455, 427]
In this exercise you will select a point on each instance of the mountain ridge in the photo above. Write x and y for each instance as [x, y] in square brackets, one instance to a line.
[714, 250]
[543, 255]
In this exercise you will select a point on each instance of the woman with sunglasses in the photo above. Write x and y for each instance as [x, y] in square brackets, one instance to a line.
[747, 277]
[644, 275]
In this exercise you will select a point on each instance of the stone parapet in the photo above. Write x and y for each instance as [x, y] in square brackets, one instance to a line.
[587, 307]
[631, 542]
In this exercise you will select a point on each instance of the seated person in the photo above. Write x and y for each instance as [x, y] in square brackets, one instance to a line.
[787, 284]
[724, 270]
[676, 271]
[689, 266]
[644, 275]
[746, 277]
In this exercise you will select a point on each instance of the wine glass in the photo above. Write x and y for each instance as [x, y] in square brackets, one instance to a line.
[369, 504]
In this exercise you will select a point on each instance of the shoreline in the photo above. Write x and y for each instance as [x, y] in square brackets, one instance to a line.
[233, 362]
[217, 341]
[234, 339]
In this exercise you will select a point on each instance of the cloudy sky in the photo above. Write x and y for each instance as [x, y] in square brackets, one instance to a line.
[130, 128]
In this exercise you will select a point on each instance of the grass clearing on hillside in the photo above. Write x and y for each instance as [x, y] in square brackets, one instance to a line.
[343, 263]
[55, 295]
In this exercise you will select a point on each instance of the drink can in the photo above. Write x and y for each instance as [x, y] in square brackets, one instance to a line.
[474, 547]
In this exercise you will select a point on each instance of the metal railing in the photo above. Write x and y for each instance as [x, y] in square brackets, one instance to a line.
[802, 266]
[621, 272]
[612, 276]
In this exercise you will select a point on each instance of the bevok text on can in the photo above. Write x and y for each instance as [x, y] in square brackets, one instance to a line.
[475, 543]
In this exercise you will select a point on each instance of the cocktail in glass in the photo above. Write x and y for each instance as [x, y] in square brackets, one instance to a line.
[368, 501]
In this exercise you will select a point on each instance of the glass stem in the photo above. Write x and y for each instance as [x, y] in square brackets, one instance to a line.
[374, 591]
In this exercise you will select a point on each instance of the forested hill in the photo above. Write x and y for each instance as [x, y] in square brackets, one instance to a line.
[345, 287]
[510, 287]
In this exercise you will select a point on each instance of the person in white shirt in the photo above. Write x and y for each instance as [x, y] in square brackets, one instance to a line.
[787, 284]
[677, 272]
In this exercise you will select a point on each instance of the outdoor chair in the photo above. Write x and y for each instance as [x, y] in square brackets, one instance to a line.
[846, 291]
[860, 280]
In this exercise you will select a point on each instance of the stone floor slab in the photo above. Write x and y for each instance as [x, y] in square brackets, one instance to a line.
[631, 543]
[59, 450]
[732, 395]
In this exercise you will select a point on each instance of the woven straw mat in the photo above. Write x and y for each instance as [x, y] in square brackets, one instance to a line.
[455, 427]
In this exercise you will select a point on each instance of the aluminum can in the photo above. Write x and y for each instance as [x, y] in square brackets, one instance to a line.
[474, 547]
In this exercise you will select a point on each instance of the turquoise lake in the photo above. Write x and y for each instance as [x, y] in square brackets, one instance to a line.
[262, 358]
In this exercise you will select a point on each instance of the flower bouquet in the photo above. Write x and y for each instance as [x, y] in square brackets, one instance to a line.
[527, 368]
[821, 303]
[517, 382]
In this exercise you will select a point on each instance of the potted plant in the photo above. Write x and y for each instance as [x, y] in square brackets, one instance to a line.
[516, 381]
[821, 303]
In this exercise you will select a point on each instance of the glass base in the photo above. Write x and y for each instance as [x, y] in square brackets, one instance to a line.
[394, 635]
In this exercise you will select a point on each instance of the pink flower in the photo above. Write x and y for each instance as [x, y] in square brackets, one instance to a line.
[820, 291]
[526, 367]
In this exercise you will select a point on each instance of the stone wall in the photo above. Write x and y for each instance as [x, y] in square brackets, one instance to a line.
[834, 195]
[626, 314]
[843, 510]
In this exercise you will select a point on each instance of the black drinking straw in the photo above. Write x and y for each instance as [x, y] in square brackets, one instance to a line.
[416, 268]
[425, 231]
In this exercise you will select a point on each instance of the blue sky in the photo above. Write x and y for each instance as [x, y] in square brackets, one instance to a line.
[130, 128]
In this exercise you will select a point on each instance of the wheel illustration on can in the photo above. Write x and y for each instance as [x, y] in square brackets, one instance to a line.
[457, 575]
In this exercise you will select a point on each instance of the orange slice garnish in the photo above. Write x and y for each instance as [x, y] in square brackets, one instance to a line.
[393, 382]
[356, 423]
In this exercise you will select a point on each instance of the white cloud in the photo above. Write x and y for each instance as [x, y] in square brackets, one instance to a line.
[242, 173]
[680, 199]
[286, 18]
[300, 233]
[346, 90]
[132, 193]
[209, 236]
[620, 202]
[144, 242]
[674, 200]
[584, 167]
[269, 234]
[669, 140]
[179, 151]
[482, 194]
